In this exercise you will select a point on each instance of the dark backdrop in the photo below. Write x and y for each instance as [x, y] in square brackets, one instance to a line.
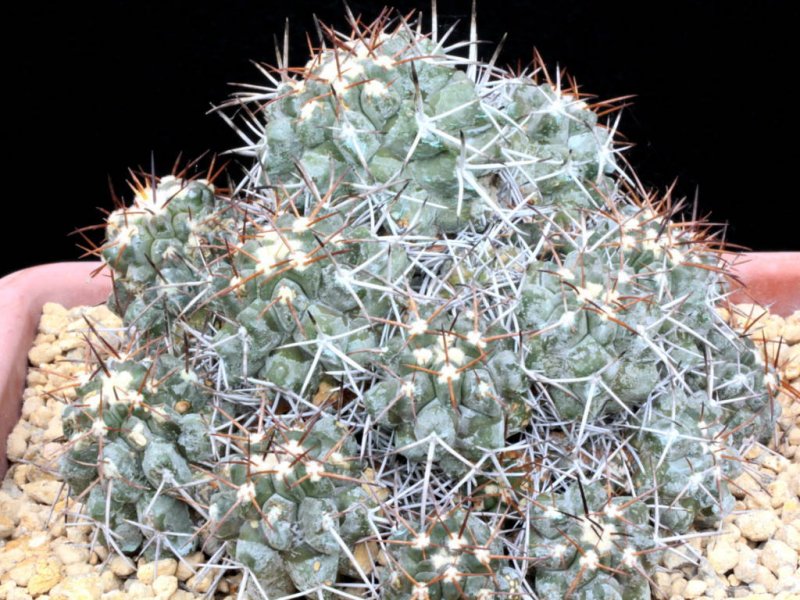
[96, 88]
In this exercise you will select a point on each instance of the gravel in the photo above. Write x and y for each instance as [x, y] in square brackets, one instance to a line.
[43, 555]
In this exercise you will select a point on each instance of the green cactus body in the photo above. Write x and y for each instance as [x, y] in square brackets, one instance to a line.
[436, 344]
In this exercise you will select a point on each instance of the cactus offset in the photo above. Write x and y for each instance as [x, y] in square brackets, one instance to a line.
[437, 343]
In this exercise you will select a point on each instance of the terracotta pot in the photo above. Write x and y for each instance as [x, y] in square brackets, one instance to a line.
[772, 279]
[22, 295]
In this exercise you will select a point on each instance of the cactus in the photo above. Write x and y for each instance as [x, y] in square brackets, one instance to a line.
[437, 343]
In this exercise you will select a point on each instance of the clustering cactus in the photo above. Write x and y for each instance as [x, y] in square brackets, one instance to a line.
[438, 343]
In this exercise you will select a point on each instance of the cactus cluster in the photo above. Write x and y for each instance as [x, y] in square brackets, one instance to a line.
[437, 343]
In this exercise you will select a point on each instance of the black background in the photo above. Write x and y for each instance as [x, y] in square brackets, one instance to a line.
[93, 89]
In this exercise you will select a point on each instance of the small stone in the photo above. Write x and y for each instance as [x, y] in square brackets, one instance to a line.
[200, 584]
[30, 520]
[149, 571]
[78, 569]
[165, 585]
[109, 581]
[44, 338]
[78, 534]
[69, 554]
[87, 587]
[6, 587]
[54, 308]
[730, 532]
[23, 572]
[42, 354]
[677, 587]
[35, 377]
[137, 589]
[662, 580]
[16, 446]
[48, 574]
[757, 525]
[101, 552]
[365, 554]
[766, 579]
[54, 431]
[779, 492]
[746, 568]
[777, 554]
[695, 588]
[41, 417]
[6, 526]
[774, 462]
[793, 439]
[787, 578]
[791, 510]
[677, 559]
[790, 535]
[182, 595]
[53, 324]
[121, 566]
[722, 556]
[758, 500]
[18, 594]
[43, 491]
[189, 566]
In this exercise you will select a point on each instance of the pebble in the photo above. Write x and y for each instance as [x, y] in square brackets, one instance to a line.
[200, 584]
[791, 511]
[790, 535]
[758, 525]
[723, 556]
[779, 492]
[149, 571]
[694, 588]
[777, 554]
[121, 566]
[109, 581]
[48, 574]
[766, 579]
[42, 354]
[137, 589]
[189, 566]
[17, 444]
[746, 568]
[6, 525]
[44, 491]
[23, 572]
[165, 585]
[69, 553]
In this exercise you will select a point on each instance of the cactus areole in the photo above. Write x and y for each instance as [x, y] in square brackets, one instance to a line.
[438, 342]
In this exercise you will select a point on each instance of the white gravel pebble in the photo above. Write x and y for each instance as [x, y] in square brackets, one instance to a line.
[723, 556]
[149, 571]
[165, 585]
[777, 554]
[758, 525]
